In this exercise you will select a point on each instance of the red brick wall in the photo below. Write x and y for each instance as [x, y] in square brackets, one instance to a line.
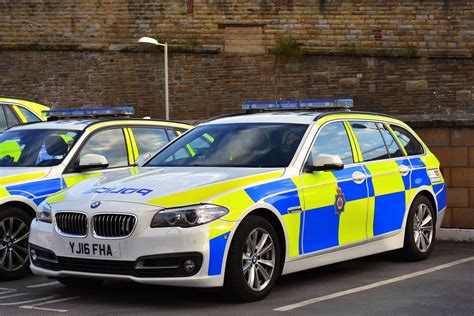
[454, 147]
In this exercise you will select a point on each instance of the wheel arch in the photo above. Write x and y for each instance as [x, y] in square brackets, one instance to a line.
[21, 205]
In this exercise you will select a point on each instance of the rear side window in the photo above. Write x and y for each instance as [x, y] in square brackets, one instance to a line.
[409, 142]
[333, 140]
[392, 146]
[30, 117]
[370, 140]
[149, 140]
[3, 119]
[11, 117]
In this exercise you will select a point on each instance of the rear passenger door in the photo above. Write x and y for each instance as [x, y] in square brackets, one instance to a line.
[388, 174]
[325, 225]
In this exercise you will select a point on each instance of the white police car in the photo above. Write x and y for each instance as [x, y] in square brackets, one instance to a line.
[239, 200]
[39, 159]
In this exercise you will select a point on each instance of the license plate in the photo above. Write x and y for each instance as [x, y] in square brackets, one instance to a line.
[103, 250]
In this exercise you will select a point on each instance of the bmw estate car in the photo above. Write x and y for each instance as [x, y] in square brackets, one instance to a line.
[37, 160]
[240, 200]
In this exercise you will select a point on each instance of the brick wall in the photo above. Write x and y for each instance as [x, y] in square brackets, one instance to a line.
[454, 147]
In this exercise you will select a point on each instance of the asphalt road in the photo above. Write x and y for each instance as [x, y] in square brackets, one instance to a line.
[381, 284]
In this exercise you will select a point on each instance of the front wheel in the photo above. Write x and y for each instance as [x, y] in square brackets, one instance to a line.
[420, 231]
[14, 232]
[254, 260]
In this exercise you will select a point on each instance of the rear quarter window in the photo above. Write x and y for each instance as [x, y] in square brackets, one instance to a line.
[408, 141]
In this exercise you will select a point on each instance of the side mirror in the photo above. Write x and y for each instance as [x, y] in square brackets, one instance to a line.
[325, 162]
[92, 162]
[141, 159]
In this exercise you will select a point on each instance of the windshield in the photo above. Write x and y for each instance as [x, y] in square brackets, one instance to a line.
[234, 145]
[35, 147]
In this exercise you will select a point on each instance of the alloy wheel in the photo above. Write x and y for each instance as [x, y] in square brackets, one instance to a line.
[423, 227]
[14, 234]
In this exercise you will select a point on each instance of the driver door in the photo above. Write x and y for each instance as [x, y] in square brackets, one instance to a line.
[326, 223]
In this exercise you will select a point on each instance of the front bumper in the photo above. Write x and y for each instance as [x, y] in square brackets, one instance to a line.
[149, 255]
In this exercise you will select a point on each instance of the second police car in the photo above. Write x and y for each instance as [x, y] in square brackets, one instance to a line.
[240, 200]
[16, 111]
[37, 160]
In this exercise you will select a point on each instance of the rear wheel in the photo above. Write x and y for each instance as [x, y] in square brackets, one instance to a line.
[254, 260]
[14, 233]
[81, 283]
[420, 230]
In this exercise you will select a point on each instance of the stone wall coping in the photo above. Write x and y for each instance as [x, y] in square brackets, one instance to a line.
[215, 48]
[438, 120]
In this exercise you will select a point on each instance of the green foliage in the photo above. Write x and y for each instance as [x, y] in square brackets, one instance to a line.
[287, 48]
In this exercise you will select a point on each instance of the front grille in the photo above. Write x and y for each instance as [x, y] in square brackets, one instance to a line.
[113, 225]
[71, 223]
[96, 266]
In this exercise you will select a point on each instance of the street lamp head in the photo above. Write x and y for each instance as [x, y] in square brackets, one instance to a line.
[148, 40]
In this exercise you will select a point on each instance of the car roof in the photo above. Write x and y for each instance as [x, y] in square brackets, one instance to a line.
[81, 125]
[296, 117]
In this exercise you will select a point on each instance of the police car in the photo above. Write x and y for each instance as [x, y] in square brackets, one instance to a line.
[240, 200]
[17, 111]
[39, 159]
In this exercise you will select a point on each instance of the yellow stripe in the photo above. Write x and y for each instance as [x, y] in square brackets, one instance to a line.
[219, 228]
[142, 122]
[397, 140]
[20, 114]
[190, 149]
[134, 144]
[57, 197]
[4, 192]
[72, 180]
[353, 221]
[209, 137]
[21, 177]
[354, 143]
[370, 216]
[205, 193]
[237, 202]
[130, 153]
[361, 117]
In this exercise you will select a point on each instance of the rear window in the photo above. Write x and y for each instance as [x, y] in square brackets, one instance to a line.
[409, 142]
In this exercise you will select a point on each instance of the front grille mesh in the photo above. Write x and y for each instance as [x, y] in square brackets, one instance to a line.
[72, 223]
[113, 225]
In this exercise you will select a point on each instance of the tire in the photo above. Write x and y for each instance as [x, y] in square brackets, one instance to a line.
[14, 233]
[419, 234]
[80, 283]
[237, 281]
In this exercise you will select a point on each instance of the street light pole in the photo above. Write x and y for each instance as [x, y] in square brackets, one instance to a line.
[153, 41]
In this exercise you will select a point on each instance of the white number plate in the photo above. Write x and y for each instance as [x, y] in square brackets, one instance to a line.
[87, 249]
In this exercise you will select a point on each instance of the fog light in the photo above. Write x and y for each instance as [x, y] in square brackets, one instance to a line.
[33, 255]
[189, 266]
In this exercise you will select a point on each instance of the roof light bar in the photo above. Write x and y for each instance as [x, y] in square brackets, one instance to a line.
[298, 104]
[90, 112]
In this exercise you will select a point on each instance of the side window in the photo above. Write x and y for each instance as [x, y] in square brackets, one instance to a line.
[3, 119]
[171, 134]
[370, 140]
[11, 117]
[30, 117]
[390, 142]
[333, 140]
[110, 144]
[409, 142]
[149, 140]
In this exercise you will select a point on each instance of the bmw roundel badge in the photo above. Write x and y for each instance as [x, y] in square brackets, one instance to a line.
[95, 204]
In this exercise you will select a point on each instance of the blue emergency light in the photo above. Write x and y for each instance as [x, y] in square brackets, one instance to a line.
[298, 104]
[91, 112]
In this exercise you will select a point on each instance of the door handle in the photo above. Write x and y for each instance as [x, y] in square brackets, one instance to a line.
[358, 177]
[404, 170]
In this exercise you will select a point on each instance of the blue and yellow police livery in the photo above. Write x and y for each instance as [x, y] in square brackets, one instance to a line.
[37, 160]
[239, 200]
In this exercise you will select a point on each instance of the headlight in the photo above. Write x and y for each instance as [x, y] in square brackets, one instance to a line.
[188, 216]
[44, 213]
